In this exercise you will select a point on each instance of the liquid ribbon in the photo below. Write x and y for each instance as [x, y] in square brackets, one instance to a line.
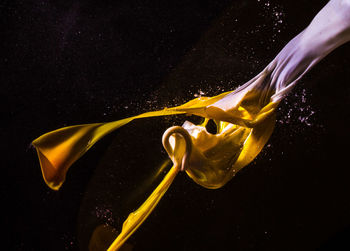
[244, 120]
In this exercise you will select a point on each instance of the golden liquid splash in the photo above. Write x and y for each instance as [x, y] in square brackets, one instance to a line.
[213, 160]
[244, 120]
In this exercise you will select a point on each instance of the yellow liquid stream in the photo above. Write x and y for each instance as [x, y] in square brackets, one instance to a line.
[242, 131]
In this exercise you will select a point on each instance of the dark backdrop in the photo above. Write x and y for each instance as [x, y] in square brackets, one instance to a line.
[71, 62]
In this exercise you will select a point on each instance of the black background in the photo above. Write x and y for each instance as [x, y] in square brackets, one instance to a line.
[72, 62]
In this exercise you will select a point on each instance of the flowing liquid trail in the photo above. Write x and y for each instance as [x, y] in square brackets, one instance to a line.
[244, 120]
